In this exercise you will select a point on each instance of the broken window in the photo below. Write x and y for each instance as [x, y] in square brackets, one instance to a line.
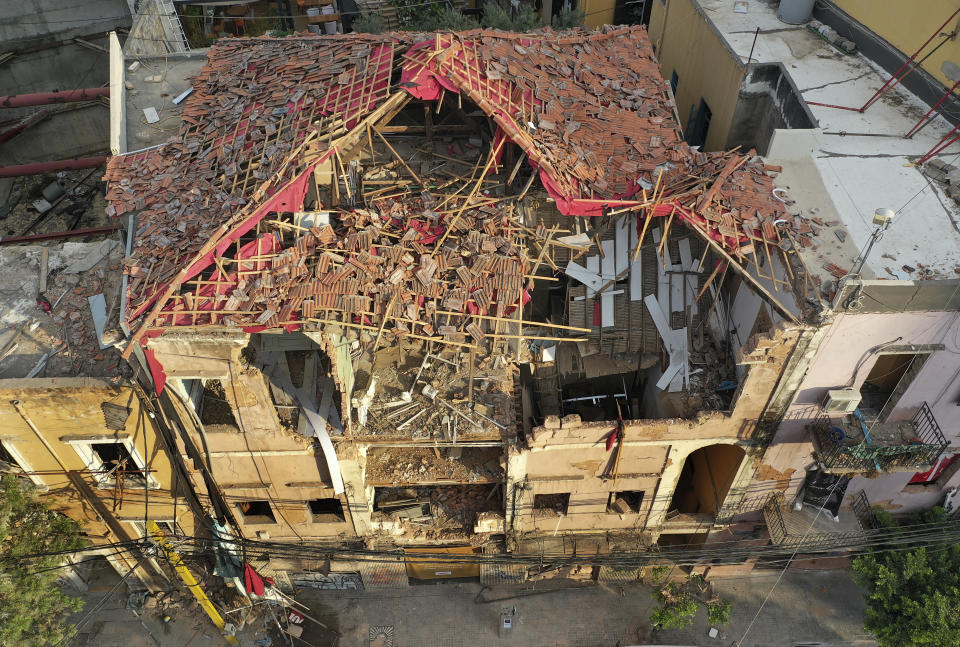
[625, 502]
[545, 504]
[256, 512]
[215, 411]
[674, 82]
[326, 510]
[114, 457]
[699, 124]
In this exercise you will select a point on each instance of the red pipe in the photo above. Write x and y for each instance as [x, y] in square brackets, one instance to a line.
[23, 124]
[894, 78]
[51, 167]
[54, 235]
[830, 105]
[44, 98]
[948, 139]
[920, 124]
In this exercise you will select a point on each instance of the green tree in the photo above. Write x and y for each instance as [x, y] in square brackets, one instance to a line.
[33, 609]
[370, 23]
[496, 17]
[676, 608]
[568, 18]
[912, 596]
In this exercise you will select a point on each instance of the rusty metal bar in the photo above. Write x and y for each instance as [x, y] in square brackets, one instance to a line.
[46, 98]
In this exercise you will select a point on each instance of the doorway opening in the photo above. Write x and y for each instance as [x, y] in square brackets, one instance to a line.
[705, 480]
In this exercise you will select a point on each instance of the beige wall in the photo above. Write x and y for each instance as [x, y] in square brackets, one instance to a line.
[686, 43]
[907, 27]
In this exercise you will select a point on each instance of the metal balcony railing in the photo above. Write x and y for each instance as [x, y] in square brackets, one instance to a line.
[885, 448]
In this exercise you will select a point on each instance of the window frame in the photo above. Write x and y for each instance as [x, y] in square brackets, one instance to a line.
[85, 451]
[22, 463]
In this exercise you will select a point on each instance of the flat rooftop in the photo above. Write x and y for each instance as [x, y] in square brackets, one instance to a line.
[157, 81]
[858, 162]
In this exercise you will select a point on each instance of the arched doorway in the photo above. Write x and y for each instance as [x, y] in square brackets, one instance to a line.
[705, 479]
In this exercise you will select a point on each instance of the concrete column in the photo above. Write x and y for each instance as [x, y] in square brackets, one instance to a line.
[118, 97]
[352, 468]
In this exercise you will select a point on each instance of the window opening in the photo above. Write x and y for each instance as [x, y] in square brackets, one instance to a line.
[256, 512]
[326, 510]
[546, 504]
[114, 457]
[625, 502]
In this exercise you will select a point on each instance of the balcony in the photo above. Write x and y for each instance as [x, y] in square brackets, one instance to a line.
[809, 528]
[852, 444]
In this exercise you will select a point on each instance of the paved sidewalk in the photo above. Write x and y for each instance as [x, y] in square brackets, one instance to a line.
[824, 608]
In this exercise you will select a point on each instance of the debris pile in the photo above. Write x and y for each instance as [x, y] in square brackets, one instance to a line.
[254, 103]
[411, 465]
[437, 511]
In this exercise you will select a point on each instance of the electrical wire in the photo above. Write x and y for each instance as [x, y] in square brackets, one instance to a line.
[103, 600]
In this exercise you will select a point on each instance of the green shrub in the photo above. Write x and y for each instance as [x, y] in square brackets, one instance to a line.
[676, 608]
[568, 18]
[369, 24]
[496, 17]
[718, 612]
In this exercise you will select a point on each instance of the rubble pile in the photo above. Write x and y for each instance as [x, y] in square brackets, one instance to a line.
[411, 465]
[254, 103]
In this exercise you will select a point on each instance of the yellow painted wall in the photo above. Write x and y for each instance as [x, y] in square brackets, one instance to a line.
[598, 12]
[61, 409]
[906, 27]
[686, 43]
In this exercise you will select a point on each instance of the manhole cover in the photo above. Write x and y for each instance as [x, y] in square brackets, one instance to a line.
[381, 636]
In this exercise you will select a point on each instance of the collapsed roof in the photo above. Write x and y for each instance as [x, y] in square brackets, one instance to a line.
[223, 237]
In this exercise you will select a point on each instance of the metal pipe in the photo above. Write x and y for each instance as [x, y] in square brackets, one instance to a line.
[54, 235]
[830, 105]
[948, 139]
[23, 124]
[923, 121]
[45, 98]
[51, 167]
[893, 79]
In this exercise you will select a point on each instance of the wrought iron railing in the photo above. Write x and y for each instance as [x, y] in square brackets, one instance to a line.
[924, 449]
[864, 511]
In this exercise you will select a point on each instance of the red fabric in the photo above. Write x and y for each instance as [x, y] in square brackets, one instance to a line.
[597, 314]
[252, 580]
[156, 370]
[424, 83]
[934, 472]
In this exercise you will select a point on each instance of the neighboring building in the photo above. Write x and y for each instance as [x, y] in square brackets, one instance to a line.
[888, 320]
[94, 446]
[51, 46]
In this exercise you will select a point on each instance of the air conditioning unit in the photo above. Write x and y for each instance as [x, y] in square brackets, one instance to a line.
[842, 400]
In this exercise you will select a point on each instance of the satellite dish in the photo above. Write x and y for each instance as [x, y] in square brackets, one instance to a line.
[950, 70]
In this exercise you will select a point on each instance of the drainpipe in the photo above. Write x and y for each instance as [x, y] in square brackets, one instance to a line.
[45, 98]
[51, 167]
[23, 124]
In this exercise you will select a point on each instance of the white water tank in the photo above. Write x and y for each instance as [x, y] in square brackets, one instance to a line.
[795, 12]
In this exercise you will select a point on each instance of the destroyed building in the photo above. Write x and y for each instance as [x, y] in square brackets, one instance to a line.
[462, 294]
[470, 293]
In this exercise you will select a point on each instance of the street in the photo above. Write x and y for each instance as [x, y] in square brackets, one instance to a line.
[816, 607]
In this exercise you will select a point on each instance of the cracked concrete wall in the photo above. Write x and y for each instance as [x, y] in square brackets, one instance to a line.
[569, 455]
